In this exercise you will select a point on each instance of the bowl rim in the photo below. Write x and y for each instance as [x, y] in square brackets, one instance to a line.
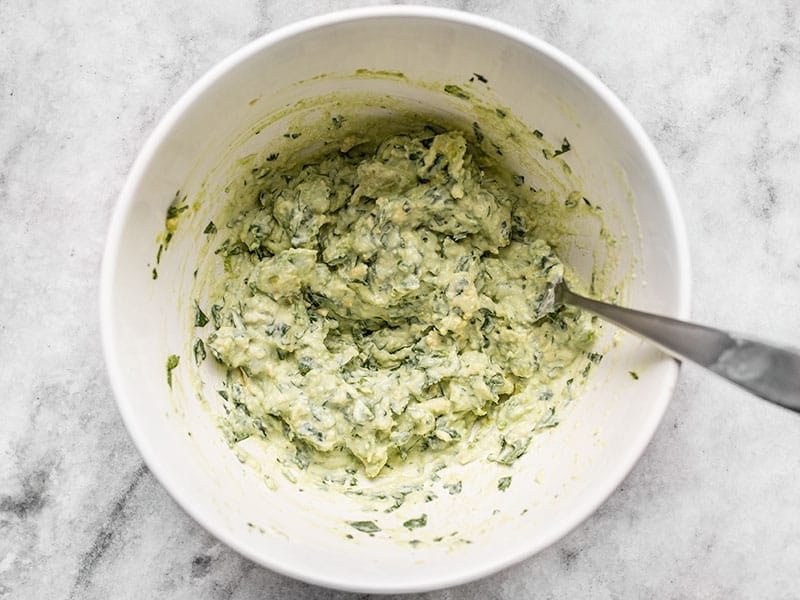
[126, 404]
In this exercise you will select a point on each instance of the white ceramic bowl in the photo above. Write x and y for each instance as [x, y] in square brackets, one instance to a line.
[579, 464]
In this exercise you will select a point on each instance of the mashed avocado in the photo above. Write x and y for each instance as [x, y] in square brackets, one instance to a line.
[382, 299]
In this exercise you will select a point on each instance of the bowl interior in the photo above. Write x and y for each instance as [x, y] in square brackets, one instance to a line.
[246, 104]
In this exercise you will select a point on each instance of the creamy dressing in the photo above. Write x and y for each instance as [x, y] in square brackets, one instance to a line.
[383, 301]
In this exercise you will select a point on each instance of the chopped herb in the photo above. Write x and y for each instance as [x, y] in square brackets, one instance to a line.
[501, 113]
[365, 526]
[416, 523]
[305, 364]
[210, 228]
[337, 121]
[292, 135]
[551, 420]
[503, 483]
[478, 132]
[199, 351]
[176, 207]
[155, 273]
[586, 201]
[511, 452]
[456, 91]
[158, 253]
[565, 147]
[634, 375]
[173, 211]
[272, 156]
[595, 357]
[200, 318]
[216, 315]
[538, 133]
[453, 488]
[481, 78]
[172, 362]
[399, 499]
[518, 179]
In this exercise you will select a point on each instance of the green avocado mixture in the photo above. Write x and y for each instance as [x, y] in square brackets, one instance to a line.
[386, 298]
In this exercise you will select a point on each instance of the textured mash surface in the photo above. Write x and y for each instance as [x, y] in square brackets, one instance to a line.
[709, 511]
[379, 301]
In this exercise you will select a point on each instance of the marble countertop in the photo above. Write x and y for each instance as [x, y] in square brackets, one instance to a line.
[711, 508]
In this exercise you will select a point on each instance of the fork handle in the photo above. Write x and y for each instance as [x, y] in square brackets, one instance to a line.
[768, 371]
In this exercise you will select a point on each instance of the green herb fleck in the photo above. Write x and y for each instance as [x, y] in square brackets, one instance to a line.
[158, 253]
[501, 113]
[503, 483]
[481, 78]
[478, 132]
[456, 91]
[365, 526]
[175, 208]
[304, 365]
[416, 523]
[273, 156]
[199, 351]
[216, 315]
[565, 147]
[155, 273]
[172, 362]
[453, 488]
[538, 133]
[292, 135]
[210, 228]
[634, 375]
[518, 179]
[200, 318]
[510, 452]
[337, 121]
